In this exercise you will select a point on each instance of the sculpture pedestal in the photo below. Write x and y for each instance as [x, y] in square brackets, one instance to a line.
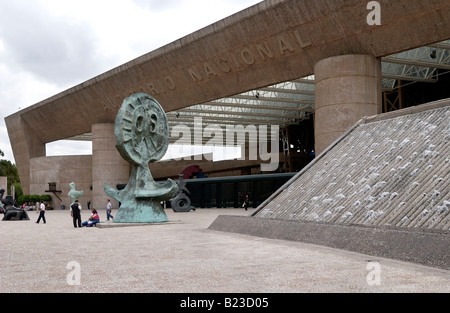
[115, 225]
[145, 211]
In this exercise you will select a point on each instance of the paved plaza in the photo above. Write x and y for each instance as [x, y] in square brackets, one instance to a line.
[184, 256]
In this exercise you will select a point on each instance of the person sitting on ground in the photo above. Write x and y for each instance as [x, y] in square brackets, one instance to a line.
[94, 219]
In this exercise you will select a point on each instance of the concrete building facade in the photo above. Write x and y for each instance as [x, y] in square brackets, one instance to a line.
[269, 43]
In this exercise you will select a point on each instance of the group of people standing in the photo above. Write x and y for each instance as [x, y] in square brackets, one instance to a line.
[75, 212]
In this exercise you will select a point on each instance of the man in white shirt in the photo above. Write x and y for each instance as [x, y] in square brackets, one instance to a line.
[41, 213]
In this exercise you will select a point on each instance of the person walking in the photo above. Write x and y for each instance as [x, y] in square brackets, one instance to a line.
[246, 203]
[75, 212]
[108, 210]
[41, 213]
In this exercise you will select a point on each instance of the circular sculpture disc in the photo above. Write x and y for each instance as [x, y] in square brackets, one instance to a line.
[141, 129]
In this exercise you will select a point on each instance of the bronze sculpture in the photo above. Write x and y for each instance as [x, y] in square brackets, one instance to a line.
[142, 136]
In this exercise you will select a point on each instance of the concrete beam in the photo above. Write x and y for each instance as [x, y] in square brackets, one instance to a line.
[268, 43]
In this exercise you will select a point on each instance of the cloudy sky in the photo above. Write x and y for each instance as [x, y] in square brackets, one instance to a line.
[48, 46]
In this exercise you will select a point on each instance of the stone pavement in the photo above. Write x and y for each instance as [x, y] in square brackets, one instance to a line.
[186, 257]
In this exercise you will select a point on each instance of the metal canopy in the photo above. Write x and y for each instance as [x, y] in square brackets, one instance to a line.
[289, 102]
[293, 101]
[419, 64]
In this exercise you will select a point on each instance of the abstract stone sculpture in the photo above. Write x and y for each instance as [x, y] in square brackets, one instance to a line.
[181, 203]
[15, 214]
[142, 136]
[11, 213]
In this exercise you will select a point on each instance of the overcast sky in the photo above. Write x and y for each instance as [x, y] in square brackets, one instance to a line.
[48, 46]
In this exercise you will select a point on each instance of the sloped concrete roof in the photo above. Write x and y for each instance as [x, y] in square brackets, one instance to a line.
[389, 170]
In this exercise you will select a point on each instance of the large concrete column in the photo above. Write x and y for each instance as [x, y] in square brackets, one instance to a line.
[348, 87]
[108, 166]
